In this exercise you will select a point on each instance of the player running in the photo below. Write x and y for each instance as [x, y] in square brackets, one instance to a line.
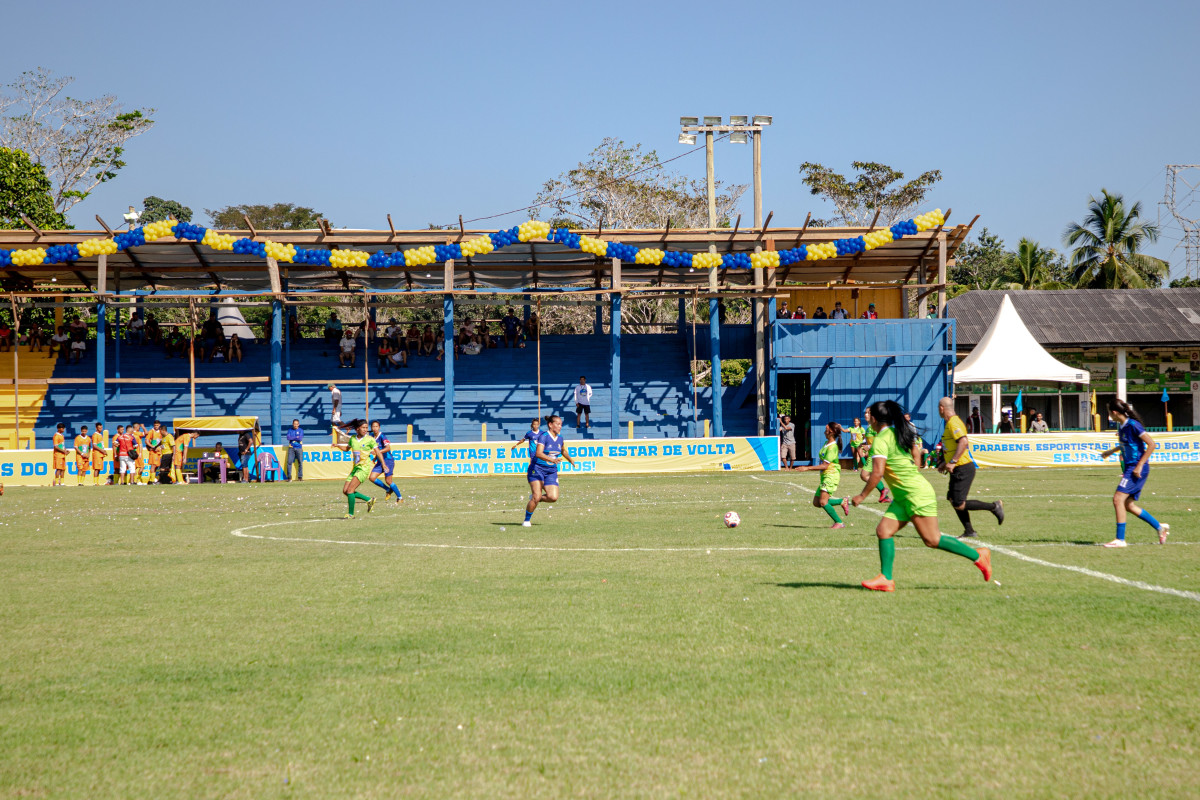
[362, 444]
[543, 467]
[381, 471]
[530, 436]
[857, 437]
[956, 461]
[1135, 447]
[913, 499]
[864, 456]
[83, 454]
[60, 455]
[831, 475]
[99, 453]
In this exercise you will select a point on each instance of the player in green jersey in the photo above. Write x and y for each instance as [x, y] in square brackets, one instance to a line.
[913, 499]
[366, 452]
[858, 436]
[864, 455]
[831, 475]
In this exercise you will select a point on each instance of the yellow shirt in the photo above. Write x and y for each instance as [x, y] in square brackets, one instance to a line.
[83, 446]
[955, 430]
[98, 441]
[60, 443]
[168, 443]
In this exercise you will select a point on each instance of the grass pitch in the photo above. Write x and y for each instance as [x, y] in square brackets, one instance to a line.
[627, 645]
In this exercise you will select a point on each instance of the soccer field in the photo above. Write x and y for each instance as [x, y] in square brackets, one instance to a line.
[247, 642]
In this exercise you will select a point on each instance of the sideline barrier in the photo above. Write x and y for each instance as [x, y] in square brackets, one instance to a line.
[1075, 449]
[593, 456]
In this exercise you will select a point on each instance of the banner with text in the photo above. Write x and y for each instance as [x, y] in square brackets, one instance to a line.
[592, 456]
[1075, 449]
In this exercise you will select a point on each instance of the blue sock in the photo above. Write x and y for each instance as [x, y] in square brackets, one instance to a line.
[379, 482]
[528, 515]
[396, 489]
[1121, 531]
[1145, 517]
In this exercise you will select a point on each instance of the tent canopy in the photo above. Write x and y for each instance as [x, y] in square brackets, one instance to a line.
[214, 424]
[1008, 353]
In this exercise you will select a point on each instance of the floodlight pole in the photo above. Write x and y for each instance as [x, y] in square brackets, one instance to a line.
[712, 185]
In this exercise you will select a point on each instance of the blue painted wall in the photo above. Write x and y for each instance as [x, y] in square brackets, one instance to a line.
[852, 363]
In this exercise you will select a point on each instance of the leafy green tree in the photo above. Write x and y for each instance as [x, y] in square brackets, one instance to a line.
[155, 209]
[1034, 266]
[1185, 283]
[276, 217]
[982, 262]
[25, 189]
[1107, 244]
[857, 201]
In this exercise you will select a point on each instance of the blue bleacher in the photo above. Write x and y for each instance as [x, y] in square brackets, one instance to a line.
[498, 387]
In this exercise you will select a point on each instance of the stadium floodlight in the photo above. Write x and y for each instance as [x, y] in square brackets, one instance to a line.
[712, 120]
[686, 121]
[739, 120]
[687, 138]
[740, 137]
[762, 121]
[132, 217]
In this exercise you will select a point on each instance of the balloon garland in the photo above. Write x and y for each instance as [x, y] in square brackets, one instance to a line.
[486, 243]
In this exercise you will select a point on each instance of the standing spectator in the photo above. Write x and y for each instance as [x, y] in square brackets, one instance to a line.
[838, 312]
[870, 312]
[787, 443]
[782, 312]
[798, 313]
[333, 328]
[212, 334]
[1039, 424]
[428, 342]
[975, 422]
[295, 452]
[335, 400]
[583, 403]
[346, 352]
[1006, 423]
[78, 333]
[6, 337]
[512, 327]
[245, 454]
[820, 313]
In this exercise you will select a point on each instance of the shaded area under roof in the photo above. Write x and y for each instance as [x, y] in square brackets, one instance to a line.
[169, 264]
[1087, 317]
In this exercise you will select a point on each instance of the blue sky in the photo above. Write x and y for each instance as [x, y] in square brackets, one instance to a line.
[428, 111]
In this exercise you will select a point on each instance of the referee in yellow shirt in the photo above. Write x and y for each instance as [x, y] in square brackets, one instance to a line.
[958, 464]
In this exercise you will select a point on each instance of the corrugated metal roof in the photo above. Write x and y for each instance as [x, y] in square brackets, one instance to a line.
[1087, 317]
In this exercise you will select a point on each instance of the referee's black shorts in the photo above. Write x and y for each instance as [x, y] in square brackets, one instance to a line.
[960, 483]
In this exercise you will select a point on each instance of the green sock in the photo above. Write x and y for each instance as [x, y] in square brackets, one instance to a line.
[952, 545]
[832, 510]
[887, 556]
[882, 489]
[363, 497]
[350, 500]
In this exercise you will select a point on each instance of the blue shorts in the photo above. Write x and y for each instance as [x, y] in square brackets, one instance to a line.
[1133, 486]
[388, 468]
[547, 477]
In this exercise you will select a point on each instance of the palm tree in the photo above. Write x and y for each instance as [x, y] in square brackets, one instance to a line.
[1106, 247]
[1032, 264]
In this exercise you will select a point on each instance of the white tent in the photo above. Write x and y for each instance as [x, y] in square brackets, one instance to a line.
[1008, 353]
[231, 319]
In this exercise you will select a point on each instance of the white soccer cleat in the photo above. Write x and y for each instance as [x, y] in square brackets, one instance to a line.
[526, 524]
[1115, 543]
[1164, 530]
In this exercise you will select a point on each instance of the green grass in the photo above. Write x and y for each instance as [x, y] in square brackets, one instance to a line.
[147, 652]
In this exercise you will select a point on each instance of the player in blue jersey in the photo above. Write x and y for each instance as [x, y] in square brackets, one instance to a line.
[531, 437]
[543, 466]
[382, 469]
[1135, 447]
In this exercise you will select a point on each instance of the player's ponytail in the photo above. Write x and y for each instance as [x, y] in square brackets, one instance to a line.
[890, 413]
[836, 430]
[1124, 408]
[551, 417]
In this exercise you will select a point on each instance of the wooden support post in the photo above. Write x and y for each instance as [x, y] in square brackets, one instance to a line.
[410, 433]
[483, 431]
[16, 328]
[630, 429]
[192, 352]
[769, 379]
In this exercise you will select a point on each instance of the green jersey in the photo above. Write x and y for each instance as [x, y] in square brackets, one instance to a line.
[362, 448]
[857, 434]
[829, 453]
[899, 472]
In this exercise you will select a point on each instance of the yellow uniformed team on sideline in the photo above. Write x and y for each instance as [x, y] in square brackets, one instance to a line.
[138, 455]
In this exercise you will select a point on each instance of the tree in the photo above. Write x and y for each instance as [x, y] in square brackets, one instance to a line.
[25, 189]
[1034, 266]
[80, 143]
[277, 217]
[858, 201]
[1185, 283]
[981, 263]
[1107, 243]
[619, 186]
[155, 209]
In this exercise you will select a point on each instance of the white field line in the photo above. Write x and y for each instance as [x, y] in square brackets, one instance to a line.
[1091, 573]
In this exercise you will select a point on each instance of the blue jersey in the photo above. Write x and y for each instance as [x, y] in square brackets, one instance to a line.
[531, 436]
[388, 458]
[551, 446]
[1133, 447]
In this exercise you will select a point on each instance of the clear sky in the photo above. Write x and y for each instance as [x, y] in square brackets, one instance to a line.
[431, 110]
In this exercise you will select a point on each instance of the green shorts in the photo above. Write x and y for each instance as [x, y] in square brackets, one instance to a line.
[829, 483]
[360, 471]
[904, 507]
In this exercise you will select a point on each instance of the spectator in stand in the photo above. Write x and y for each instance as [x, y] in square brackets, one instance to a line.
[511, 326]
[245, 454]
[6, 337]
[294, 332]
[782, 311]
[234, 350]
[58, 343]
[383, 351]
[212, 338]
[295, 452]
[975, 422]
[532, 328]
[346, 348]
[870, 312]
[820, 313]
[1039, 424]
[412, 340]
[1006, 423]
[485, 335]
[838, 312]
[583, 403]
[333, 329]
[78, 332]
[428, 342]
[466, 334]
[135, 331]
[36, 337]
[335, 405]
[798, 313]
[154, 330]
[398, 358]
[787, 443]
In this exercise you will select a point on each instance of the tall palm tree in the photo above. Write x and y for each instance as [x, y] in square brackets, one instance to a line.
[1032, 262]
[1107, 243]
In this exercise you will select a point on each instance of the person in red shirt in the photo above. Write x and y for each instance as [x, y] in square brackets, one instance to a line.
[870, 313]
[122, 445]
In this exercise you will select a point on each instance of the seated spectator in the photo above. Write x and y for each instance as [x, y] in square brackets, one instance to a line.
[58, 342]
[294, 333]
[838, 312]
[398, 358]
[78, 333]
[35, 337]
[428, 342]
[212, 472]
[333, 329]
[782, 311]
[412, 341]
[473, 347]
[234, 349]
[153, 330]
[346, 348]
[466, 334]
[383, 352]
[798, 313]
[532, 327]
[511, 326]
[870, 313]
[6, 337]
[485, 335]
[135, 331]
[820, 313]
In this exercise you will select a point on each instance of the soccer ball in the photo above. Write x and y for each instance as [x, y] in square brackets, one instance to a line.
[732, 520]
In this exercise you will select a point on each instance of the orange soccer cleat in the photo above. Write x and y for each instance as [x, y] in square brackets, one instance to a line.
[984, 562]
[880, 584]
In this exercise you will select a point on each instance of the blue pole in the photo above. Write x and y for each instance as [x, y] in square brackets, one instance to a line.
[714, 338]
[772, 386]
[287, 342]
[448, 358]
[100, 310]
[276, 374]
[117, 351]
[614, 349]
[598, 326]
